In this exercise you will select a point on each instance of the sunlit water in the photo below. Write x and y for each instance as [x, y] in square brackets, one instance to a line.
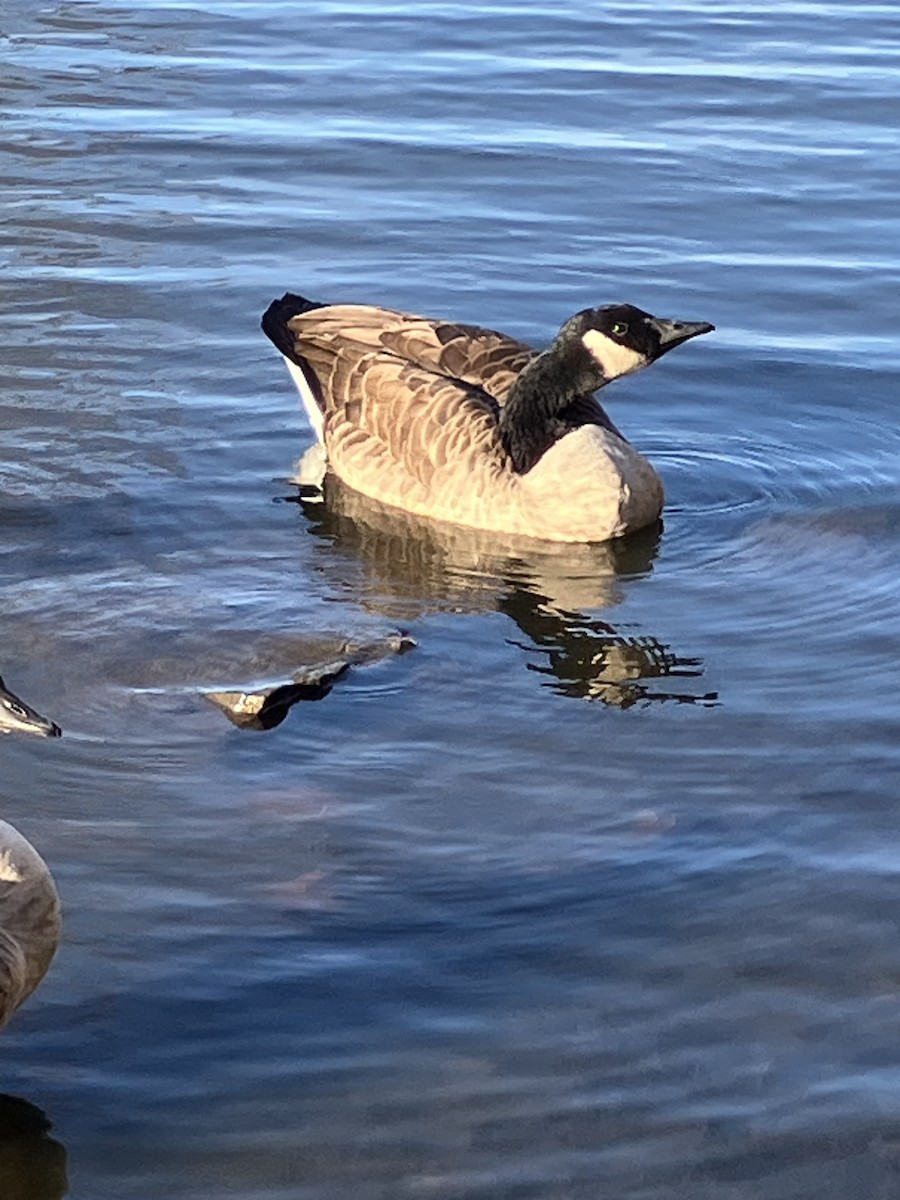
[594, 892]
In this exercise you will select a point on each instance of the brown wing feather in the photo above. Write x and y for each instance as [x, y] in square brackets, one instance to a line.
[409, 417]
[384, 412]
[477, 356]
[480, 357]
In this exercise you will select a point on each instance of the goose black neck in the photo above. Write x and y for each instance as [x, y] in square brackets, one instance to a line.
[534, 415]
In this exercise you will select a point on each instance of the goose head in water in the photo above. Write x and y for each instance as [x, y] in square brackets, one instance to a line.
[29, 920]
[17, 716]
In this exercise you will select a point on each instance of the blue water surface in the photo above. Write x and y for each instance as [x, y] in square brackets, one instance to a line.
[593, 893]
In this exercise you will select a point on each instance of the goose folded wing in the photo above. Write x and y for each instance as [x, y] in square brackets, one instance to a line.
[480, 357]
[389, 419]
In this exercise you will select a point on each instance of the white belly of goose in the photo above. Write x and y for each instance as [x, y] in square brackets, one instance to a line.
[588, 487]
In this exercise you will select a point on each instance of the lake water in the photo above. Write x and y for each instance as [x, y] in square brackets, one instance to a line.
[592, 893]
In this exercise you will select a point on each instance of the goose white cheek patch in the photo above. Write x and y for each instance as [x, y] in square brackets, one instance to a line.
[9, 872]
[614, 360]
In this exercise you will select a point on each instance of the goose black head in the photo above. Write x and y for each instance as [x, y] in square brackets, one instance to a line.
[621, 338]
[16, 715]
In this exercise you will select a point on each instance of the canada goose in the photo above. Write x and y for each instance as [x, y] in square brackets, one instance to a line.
[16, 715]
[29, 920]
[467, 425]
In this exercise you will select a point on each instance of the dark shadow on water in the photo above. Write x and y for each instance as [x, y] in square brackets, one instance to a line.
[32, 1163]
[404, 567]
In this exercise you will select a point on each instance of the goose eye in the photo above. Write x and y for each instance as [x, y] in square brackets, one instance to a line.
[619, 329]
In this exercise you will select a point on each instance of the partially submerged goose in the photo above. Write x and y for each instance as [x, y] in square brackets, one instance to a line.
[266, 705]
[29, 920]
[467, 425]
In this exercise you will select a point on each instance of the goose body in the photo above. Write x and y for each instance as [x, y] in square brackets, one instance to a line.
[463, 424]
[29, 920]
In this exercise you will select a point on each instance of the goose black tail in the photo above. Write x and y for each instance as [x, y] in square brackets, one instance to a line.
[275, 321]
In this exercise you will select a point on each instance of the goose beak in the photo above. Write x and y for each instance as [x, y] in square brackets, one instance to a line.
[19, 717]
[673, 333]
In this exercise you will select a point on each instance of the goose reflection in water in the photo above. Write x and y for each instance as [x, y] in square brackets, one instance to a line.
[594, 661]
[411, 566]
[32, 1163]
